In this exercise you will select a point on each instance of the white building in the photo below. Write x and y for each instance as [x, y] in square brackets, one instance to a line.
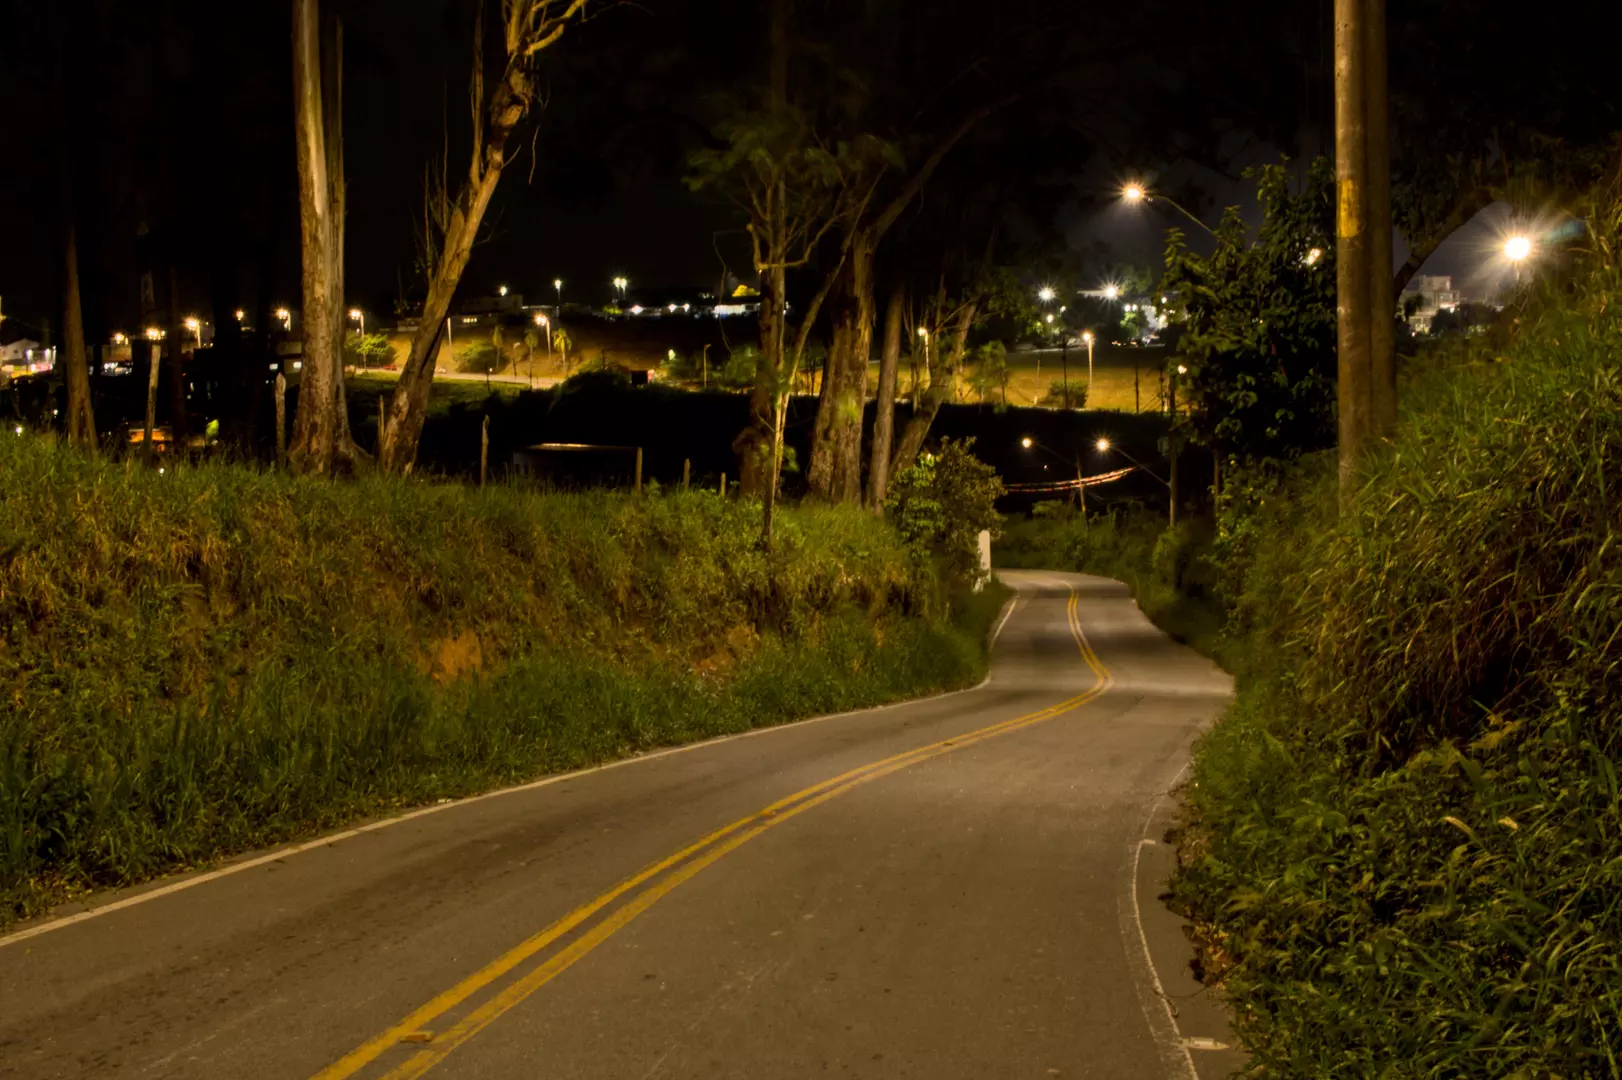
[1435, 292]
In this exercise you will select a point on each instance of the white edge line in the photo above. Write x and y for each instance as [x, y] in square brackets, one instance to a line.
[278, 854]
[1174, 1046]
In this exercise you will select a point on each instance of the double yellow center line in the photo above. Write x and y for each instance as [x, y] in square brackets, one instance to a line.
[670, 872]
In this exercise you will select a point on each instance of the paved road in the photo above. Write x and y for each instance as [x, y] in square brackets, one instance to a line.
[950, 889]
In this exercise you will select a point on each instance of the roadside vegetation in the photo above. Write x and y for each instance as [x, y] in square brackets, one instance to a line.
[213, 658]
[1403, 852]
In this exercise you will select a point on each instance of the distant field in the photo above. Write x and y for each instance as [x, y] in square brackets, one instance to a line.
[1126, 379]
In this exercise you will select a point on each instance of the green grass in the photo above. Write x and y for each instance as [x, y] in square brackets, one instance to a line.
[215, 658]
[1407, 852]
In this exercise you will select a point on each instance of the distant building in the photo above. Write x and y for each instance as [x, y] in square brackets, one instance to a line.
[25, 356]
[1434, 293]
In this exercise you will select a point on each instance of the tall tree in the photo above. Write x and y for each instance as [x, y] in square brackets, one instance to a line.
[1258, 321]
[321, 441]
[499, 106]
[81, 420]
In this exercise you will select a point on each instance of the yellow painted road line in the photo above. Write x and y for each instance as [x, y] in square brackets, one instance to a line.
[740, 832]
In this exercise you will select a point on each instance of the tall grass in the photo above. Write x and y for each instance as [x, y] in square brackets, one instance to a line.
[214, 658]
[1408, 858]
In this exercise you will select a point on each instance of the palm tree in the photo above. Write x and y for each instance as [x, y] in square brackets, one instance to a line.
[530, 343]
[561, 342]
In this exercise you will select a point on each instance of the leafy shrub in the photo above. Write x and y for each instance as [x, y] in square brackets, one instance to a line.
[367, 350]
[942, 502]
[478, 358]
[1062, 395]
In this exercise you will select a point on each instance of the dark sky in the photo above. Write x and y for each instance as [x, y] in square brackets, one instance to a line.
[179, 116]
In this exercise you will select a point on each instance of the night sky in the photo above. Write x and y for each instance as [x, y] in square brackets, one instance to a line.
[180, 112]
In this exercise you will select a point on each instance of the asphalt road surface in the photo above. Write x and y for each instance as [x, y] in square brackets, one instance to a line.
[959, 887]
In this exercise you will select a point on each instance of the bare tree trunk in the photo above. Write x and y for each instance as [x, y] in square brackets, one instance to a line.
[315, 432]
[878, 467]
[836, 446]
[531, 26]
[940, 389]
[174, 345]
[81, 418]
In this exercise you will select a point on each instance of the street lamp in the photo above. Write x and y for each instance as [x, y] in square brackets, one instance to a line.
[1136, 193]
[1518, 249]
[241, 314]
[501, 290]
[359, 316]
[286, 317]
[1081, 490]
[1087, 336]
[195, 325]
[1112, 292]
[1046, 294]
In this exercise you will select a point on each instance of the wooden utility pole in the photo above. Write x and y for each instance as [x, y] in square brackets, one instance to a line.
[1382, 304]
[1363, 211]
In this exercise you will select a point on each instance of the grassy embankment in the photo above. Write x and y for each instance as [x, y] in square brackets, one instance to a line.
[1406, 851]
[215, 658]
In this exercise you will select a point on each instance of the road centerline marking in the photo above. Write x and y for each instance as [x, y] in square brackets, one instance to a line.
[681, 866]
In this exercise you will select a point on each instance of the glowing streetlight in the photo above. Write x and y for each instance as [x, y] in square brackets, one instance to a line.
[119, 338]
[1136, 193]
[1518, 249]
[501, 290]
[1103, 446]
[359, 316]
[540, 320]
[1112, 292]
[1087, 337]
[195, 325]
[1045, 294]
[286, 317]
[241, 314]
[1026, 442]
[557, 283]
[153, 333]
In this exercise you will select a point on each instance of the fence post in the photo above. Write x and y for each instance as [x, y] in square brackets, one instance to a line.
[281, 421]
[484, 450]
[723, 485]
[686, 472]
[639, 470]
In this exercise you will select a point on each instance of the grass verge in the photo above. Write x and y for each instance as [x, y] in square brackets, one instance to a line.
[212, 659]
[1406, 858]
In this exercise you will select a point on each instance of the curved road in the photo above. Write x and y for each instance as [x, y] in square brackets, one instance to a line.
[960, 887]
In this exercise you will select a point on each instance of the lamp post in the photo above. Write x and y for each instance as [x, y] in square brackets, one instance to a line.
[195, 325]
[1081, 491]
[1105, 446]
[1135, 193]
[1087, 336]
[360, 317]
[923, 332]
[557, 285]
